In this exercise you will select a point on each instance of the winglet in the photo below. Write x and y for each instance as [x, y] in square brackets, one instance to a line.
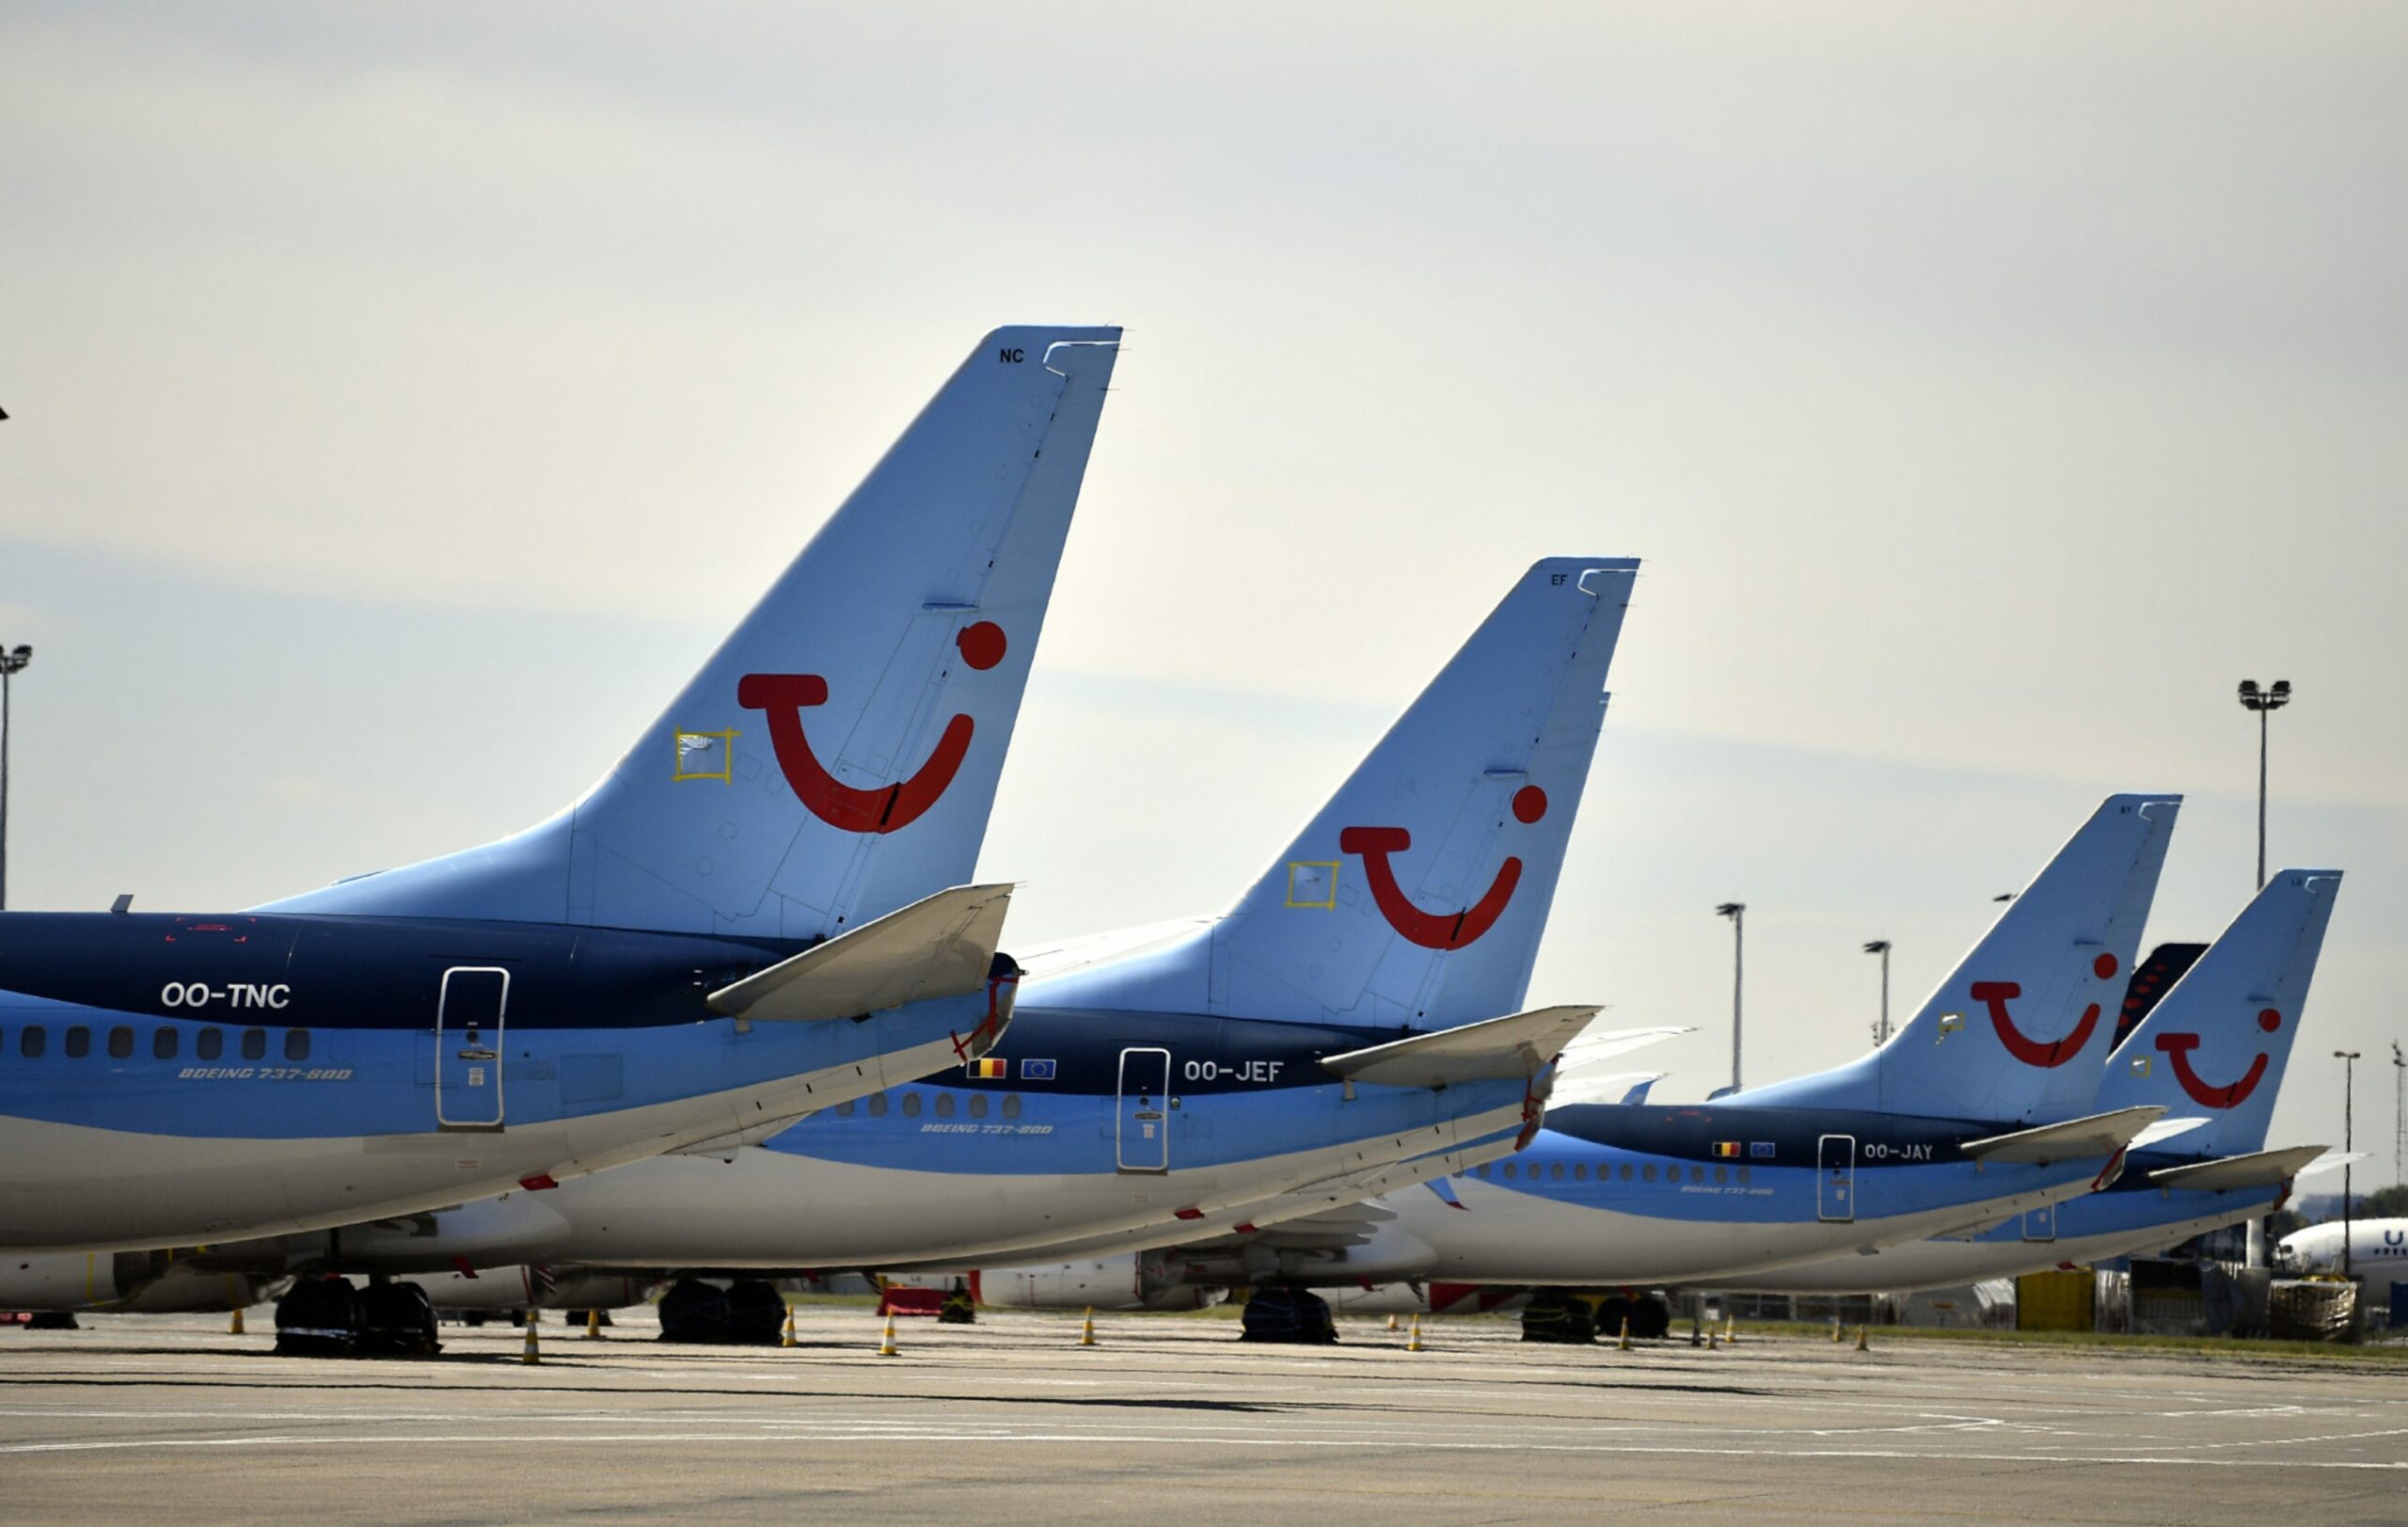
[939, 946]
[1522, 1045]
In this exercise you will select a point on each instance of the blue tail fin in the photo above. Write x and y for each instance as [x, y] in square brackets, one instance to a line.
[2016, 1032]
[2216, 1045]
[836, 758]
[1415, 898]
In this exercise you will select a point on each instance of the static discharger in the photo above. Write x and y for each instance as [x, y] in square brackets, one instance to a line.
[886, 1347]
[1087, 1329]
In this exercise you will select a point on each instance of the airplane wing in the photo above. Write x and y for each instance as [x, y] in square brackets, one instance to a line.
[2100, 1135]
[1331, 1230]
[940, 945]
[1494, 1049]
[2259, 1168]
[1600, 1087]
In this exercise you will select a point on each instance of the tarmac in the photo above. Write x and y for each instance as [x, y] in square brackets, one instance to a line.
[1171, 1419]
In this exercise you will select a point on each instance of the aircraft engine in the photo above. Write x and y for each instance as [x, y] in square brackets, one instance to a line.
[1140, 1281]
[76, 1279]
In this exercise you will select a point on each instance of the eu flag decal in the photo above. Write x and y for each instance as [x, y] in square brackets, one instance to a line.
[1760, 1150]
[1036, 1071]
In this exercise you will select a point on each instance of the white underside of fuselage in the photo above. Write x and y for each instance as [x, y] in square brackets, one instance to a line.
[68, 1187]
[1949, 1264]
[775, 1209]
[1503, 1236]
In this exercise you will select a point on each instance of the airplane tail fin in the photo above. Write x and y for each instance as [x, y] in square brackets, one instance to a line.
[1415, 898]
[2215, 1047]
[836, 758]
[2017, 1031]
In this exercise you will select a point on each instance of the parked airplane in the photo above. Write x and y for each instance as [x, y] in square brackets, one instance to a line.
[1350, 1024]
[2378, 1250]
[1932, 1132]
[759, 910]
[2211, 1052]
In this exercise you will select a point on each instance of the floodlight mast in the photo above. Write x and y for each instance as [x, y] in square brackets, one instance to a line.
[2265, 702]
[12, 663]
[1882, 1029]
[1736, 912]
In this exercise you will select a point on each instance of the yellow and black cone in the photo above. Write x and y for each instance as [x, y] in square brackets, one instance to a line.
[532, 1352]
[886, 1347]
[236, 1328]
[1624, 1345]
[787, 1340]
[593, 1325]
[1838, 1334]
[1393, 1323]
[1864, 1338]
[1731, 1331]
[1087, 1329]
[1713, 1340]
[1413, 1339]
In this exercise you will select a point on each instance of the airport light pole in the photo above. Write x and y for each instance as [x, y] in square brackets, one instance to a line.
[2399, 1113]
[2349, 1060]
[1882, 1029]
[2265, 702]
[1736, 912]
[11, 664]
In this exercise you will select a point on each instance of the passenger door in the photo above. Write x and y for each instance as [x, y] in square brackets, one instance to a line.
[468, 1014]
[1835, 1193]
[1142, 1139]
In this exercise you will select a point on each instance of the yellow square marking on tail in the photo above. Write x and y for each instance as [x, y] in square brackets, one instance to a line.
[1312, 882]
[1950, 1022]
[702, 747]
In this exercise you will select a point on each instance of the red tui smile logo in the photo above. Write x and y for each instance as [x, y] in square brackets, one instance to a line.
[2178, 1048]
[784, 697]
[2044, 1054]
[1437, 929]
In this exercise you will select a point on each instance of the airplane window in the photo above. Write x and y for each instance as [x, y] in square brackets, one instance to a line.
[1556, 1172]
[1743, 1177]
[1626, 1171]
[844, 1109]
[32, 1042]
[1647, 1171]
[1580, 1171]
[163, 1043]
[877, 1105]
[296, 1044]
[1511, 1170]
[1697, 1174]
[1721, 1174]
[1011, 1104]
[977, 1104]
[120, 1042]
[210, 1045]
[910, 1104]
[1482, 1172]
[254, 1044]
[944, 1104]
[79, 1041]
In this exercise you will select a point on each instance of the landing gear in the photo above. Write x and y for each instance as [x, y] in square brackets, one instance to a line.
[396, 1320]
[1650, 1316]
[318, 1318]
[51, 1320]
[1556, 1316]
[1288, 1313]
[747, 1312]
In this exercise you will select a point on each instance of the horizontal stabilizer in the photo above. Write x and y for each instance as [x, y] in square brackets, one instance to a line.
[939, 946]
[2100, 1135]
[1626, 1088]
[2259, 1168]
[2165, 1130]
[2333, 1161]
[1497, 1048]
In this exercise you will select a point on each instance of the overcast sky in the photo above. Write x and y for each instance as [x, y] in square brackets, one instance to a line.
[407, 398]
